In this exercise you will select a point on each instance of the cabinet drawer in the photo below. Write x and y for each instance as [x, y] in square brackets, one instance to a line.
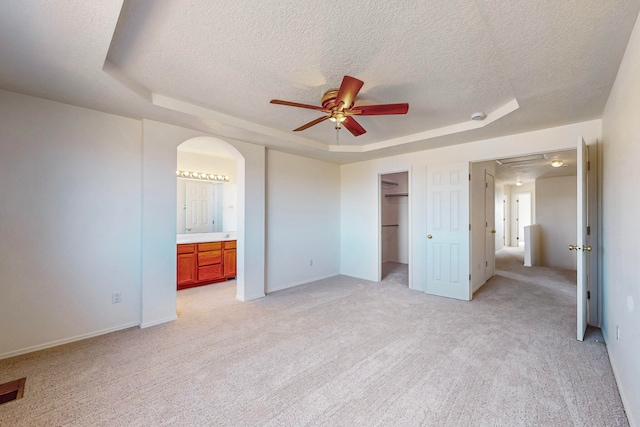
[209, 258]
[186, 249]
[210, 272]
[231, 244]
[211, 246]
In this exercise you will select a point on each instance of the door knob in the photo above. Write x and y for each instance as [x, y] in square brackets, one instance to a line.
[573, 248]
[188, 229]
[429, 236]
[586, 248]
[493, 231]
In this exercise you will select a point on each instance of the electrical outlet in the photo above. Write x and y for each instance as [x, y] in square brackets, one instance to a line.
[116, 297]
[311, 262]
[618, 333]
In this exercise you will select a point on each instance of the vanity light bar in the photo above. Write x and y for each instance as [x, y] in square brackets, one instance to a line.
[203, 176]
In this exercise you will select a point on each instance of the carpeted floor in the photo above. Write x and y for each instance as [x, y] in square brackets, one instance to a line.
[338, 352]
[395, 272]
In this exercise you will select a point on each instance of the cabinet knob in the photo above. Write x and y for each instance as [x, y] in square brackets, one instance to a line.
[429, 236]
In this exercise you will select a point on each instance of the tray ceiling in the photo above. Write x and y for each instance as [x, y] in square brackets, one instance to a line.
[214, 66]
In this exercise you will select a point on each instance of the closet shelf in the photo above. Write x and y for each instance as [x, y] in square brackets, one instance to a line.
[388, 182]
[397, 195]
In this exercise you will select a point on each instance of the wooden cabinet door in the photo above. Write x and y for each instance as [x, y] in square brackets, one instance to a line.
[229, 263]
[186, 269]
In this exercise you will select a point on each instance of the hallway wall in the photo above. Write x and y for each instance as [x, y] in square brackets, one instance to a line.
[620, 227]
[556, 201]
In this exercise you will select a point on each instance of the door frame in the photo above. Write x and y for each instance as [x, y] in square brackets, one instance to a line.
[409, 221]
[594, 218]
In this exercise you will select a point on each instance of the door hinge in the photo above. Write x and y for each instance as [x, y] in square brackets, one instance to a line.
[486, 263]
[588, 230]
[588, 165]
[469, 177]
[469, 227]
[588, 294]
[469, 276]
[486, 185]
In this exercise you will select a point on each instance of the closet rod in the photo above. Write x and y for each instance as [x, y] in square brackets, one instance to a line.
[390, 225]
[397, 195]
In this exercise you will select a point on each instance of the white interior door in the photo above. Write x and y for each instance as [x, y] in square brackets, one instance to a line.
[199, 217]
[490, 225]
[448, 231]
[582, 247]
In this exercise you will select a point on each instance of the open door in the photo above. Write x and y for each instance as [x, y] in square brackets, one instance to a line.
[582, 247]
[490, 225]
[448, 231]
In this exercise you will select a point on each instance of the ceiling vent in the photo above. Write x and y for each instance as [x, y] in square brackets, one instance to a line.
[522, 159]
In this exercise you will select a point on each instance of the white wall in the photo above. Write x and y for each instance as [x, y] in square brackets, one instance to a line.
[303, 220]
[69, 222]
[359, 192]
[395, 210]
[620, 158]
[556, 204]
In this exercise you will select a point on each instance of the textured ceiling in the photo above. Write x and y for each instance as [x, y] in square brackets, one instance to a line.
[214, 66]
[530, 170]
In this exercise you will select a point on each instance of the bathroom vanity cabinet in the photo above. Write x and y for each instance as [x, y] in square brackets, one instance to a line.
[205, 263]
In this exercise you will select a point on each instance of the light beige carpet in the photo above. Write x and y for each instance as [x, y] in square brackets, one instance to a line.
[339, 352]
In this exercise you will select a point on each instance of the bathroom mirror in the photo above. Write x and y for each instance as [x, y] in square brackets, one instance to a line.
[205, 207]
[206, 200]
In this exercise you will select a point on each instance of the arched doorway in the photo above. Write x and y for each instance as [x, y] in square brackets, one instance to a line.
[209, 155]
[158, 248]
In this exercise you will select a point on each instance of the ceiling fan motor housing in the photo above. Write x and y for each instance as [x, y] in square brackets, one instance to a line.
[329, 99]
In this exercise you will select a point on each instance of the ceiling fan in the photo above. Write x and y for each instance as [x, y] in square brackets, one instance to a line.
[338, 105]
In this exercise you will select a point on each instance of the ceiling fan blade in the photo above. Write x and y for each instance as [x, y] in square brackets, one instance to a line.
[313, 123]
[353, 126]
[380, 109]
[295, 104]
[348, 90]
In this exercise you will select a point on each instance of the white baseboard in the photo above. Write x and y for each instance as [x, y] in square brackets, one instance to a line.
[251, 298]
[475, 288]
[158, 322]
[631, 416]
[65, 341]
[302, 282]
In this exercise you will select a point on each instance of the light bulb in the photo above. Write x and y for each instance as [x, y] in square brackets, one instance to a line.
[178, 173]
[185, 173]
[556, 163]
[519, 183]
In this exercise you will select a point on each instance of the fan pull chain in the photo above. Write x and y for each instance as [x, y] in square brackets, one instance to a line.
[337, 135]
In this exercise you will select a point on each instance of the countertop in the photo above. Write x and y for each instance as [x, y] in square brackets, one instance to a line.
[204, 237]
